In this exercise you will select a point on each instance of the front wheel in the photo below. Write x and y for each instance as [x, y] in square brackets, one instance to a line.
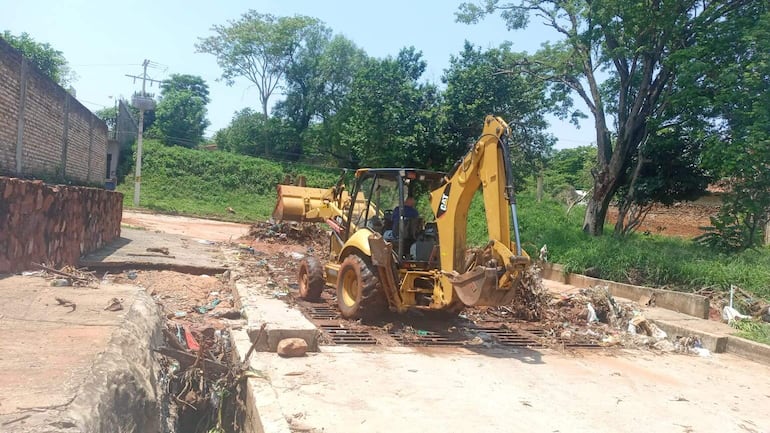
[311, 279]
[358, 290]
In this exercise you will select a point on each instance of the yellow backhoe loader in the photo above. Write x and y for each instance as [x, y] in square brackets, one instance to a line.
[379, 262]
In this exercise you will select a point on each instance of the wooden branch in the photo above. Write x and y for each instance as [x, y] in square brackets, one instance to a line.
[187, 359]
[150, 255]
[63, 274]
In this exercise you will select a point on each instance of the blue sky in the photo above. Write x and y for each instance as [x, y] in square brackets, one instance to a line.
[103, 41]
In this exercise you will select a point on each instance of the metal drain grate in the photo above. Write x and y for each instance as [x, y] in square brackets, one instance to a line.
[426, 338]
[323, 313]
[511, 338]
[341, 335]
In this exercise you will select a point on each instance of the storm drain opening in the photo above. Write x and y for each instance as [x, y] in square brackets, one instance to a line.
[339, 334]
[426, 338]
[323, 312]
[511, 338]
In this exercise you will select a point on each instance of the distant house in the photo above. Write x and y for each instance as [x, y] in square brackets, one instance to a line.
[121, 138]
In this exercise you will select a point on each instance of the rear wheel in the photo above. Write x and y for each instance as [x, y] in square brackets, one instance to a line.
[358, 290]
[311, 279]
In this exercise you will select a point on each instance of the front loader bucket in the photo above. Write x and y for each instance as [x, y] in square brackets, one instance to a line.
[295, 201]
[479, 287]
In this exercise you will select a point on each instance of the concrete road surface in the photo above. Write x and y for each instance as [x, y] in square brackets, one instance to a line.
[345, 389]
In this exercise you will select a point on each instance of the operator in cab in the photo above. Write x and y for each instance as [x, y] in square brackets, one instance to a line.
[409, 212]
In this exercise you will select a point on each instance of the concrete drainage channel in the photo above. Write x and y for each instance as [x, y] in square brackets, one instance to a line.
[189, 373]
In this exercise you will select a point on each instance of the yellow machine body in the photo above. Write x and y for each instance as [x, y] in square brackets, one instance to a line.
[449, 278]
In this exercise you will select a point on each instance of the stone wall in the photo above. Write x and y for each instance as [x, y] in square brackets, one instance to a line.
[53, 224]
[45, 131]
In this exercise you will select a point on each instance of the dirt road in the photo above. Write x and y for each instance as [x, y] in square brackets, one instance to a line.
[217, 231]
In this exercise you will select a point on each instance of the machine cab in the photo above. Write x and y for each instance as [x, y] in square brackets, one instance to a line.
[397, 206]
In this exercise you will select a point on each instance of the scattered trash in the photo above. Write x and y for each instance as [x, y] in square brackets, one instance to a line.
[228, 314]
[162, 250]
[544, 253]
[206, 308]
[729, 314]
[180, 314]
[190, 340]
[114, 305]
[131, 275]
[66, 303]
[33, 273]
[296, 256]
[592, 317]
[61, 282]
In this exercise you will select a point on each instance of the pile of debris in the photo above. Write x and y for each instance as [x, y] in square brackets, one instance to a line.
[310, 234]
[64, 277]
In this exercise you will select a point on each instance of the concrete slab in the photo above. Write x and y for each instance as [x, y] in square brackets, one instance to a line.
[748, 349]
[455, 390]
[263, 413]
[189, 255]
[281, 320]
[84, 368]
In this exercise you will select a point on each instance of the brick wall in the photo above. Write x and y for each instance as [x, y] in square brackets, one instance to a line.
[40, 121]
[54, 224]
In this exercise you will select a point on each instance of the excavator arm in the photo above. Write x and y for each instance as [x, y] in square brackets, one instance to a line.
[490, 278]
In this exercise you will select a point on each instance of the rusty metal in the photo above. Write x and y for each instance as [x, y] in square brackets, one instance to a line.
[323, 312]
[340, 334]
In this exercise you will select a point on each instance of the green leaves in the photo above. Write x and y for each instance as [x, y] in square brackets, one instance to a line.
[180, 117]
[259, 47]
[46, 58]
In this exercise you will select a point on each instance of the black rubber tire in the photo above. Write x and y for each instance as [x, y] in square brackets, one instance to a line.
[368, 301]
[311, 279]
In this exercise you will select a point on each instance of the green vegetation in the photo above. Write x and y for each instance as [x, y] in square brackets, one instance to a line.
[656, 261]
[197, 182]
[753, 330]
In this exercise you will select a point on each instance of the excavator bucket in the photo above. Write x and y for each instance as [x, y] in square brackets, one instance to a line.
[479, 287]
[294, 202]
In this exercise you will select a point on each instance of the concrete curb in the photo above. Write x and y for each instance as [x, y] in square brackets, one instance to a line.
[748, 349]
[263, 411]
[281, 320]
[716, 343]
[687, 303]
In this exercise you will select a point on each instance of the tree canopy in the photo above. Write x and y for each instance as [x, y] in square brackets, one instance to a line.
[638, 44]
[180, 117]
[259, 47]
[49, 60]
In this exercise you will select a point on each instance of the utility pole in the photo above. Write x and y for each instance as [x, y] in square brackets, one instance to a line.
[142, 102]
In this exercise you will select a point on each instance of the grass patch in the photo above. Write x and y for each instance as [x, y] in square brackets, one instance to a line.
[203, 183]
[752, 330]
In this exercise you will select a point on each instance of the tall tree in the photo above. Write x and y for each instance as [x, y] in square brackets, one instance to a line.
[391, 119]
[49, 60]
[480, 83]
[317, 83]
[180, 117]
[635, 42]
[192, 83]
[730, 72]
[258, 47]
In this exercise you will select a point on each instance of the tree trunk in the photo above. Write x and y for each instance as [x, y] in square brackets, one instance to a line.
[596, 212]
